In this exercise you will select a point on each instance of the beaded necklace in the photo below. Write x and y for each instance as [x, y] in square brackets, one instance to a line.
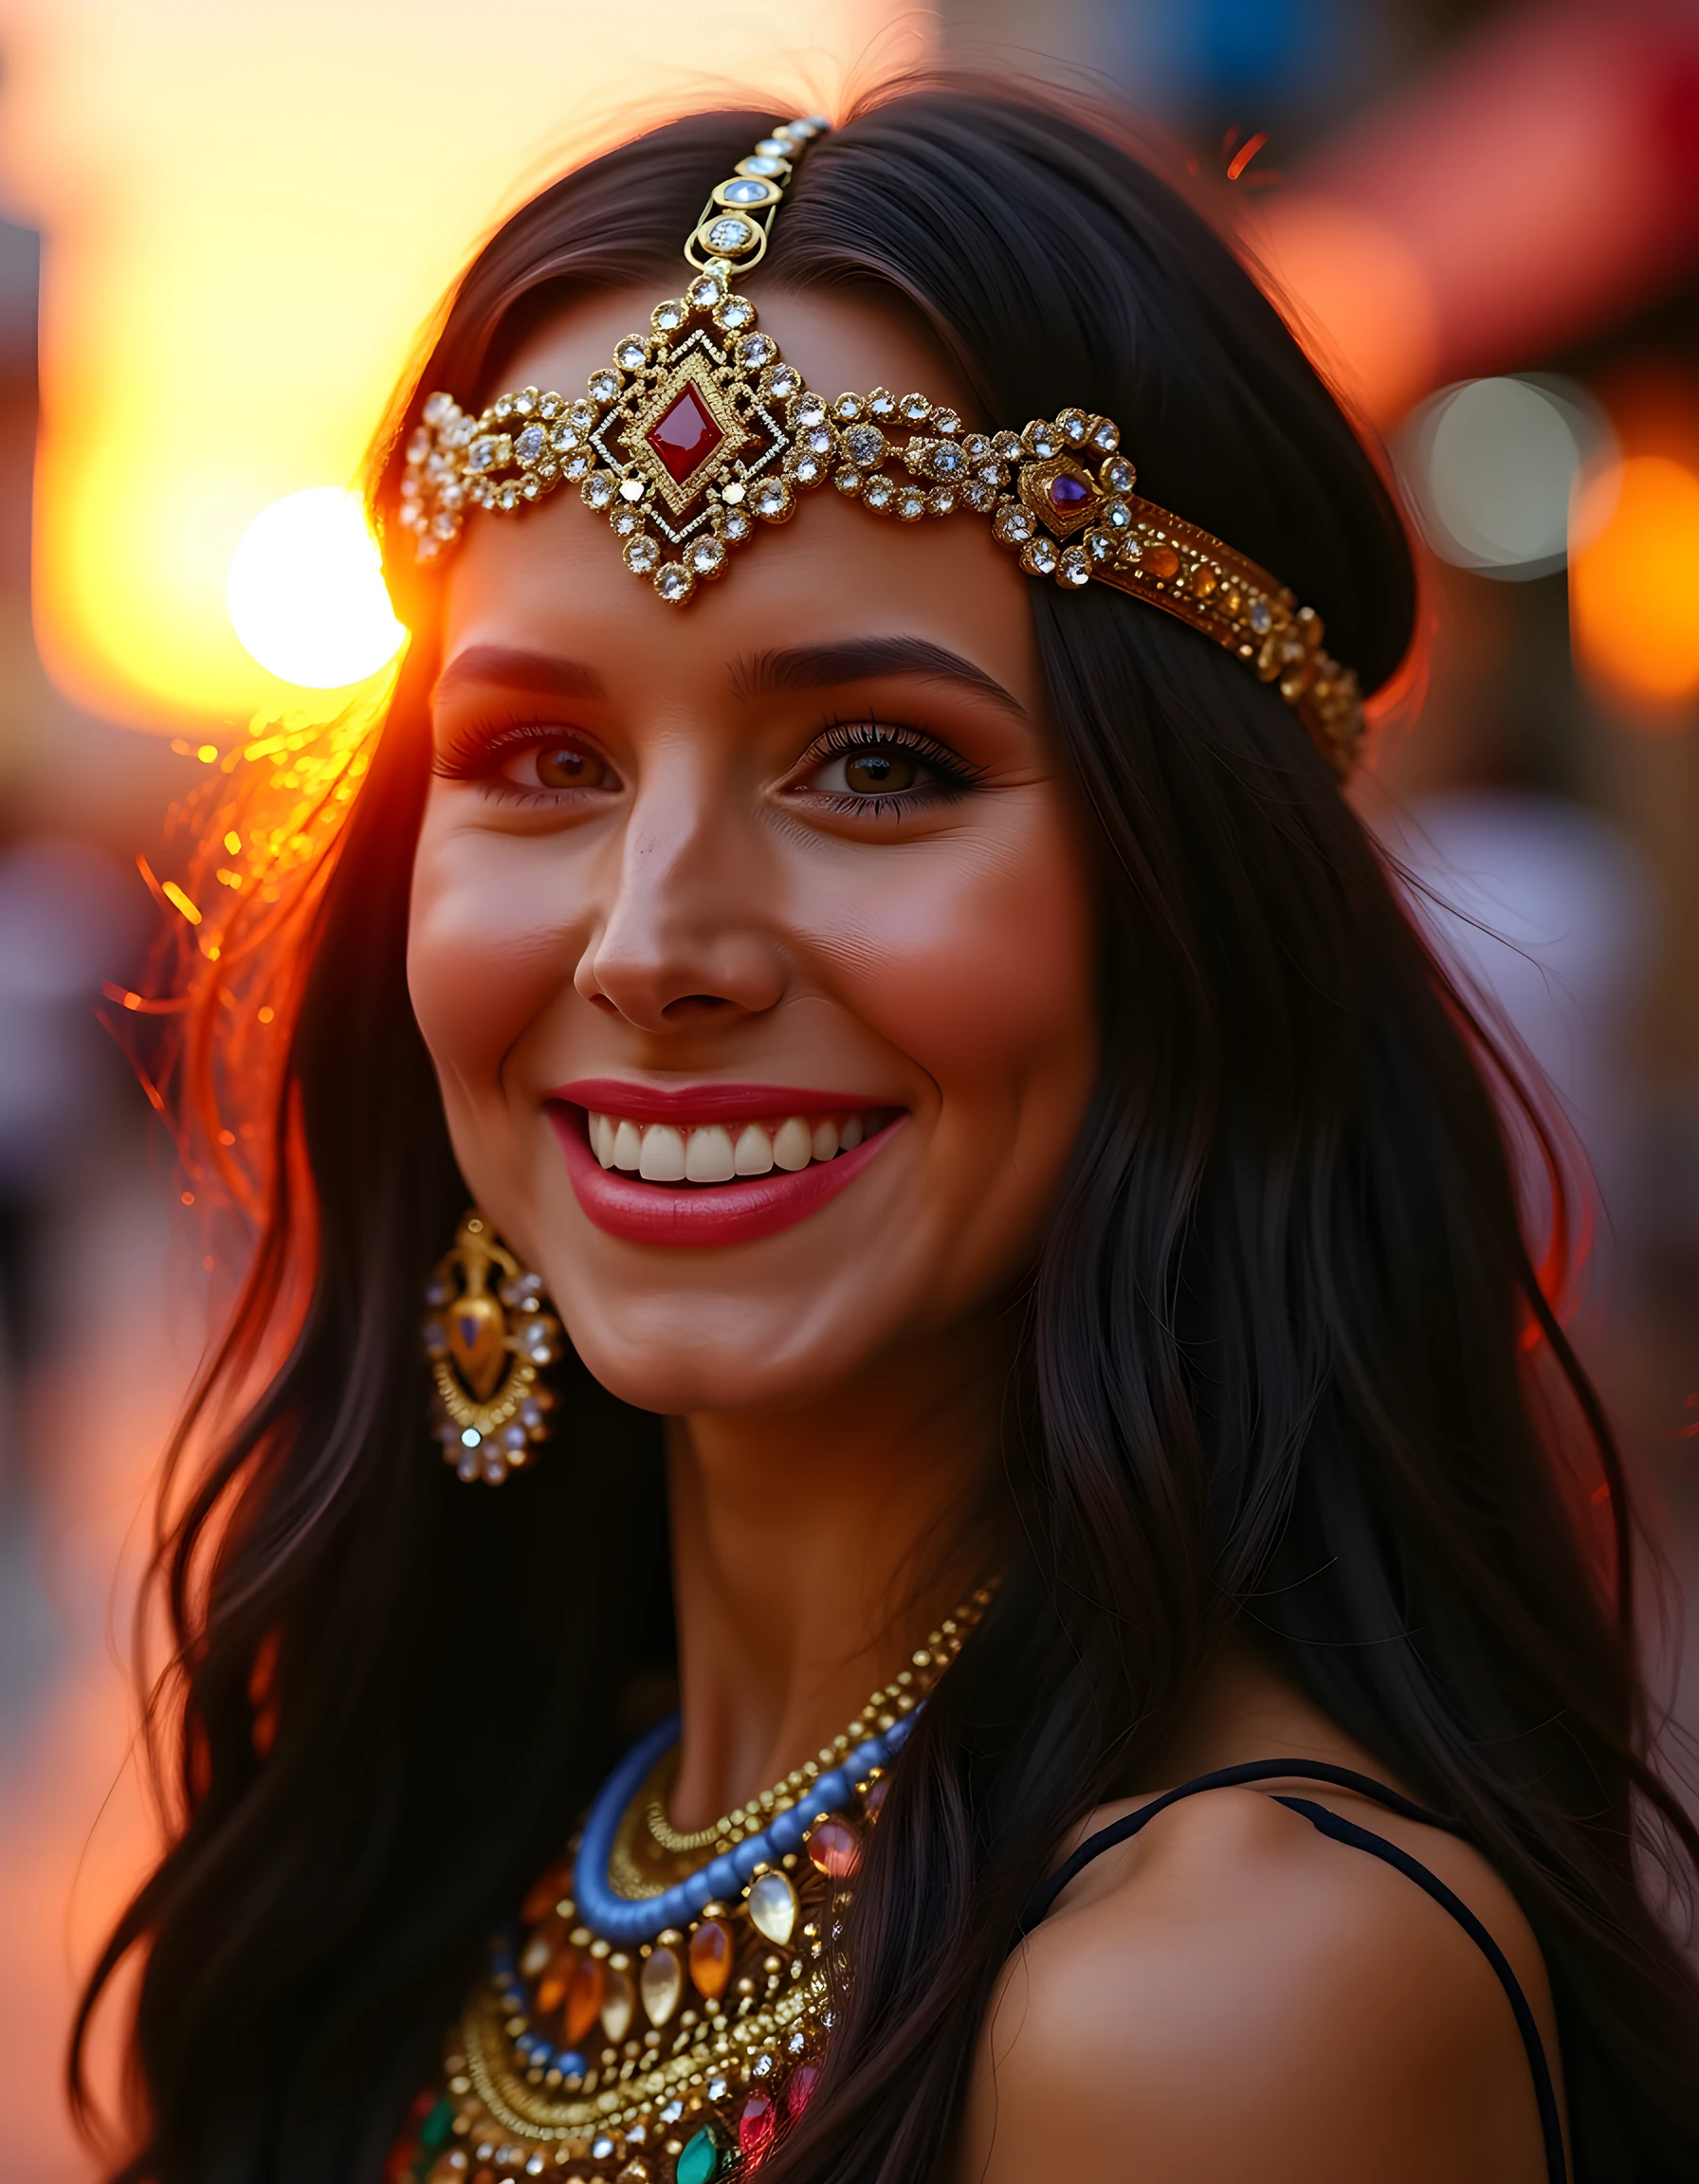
[652, 2027]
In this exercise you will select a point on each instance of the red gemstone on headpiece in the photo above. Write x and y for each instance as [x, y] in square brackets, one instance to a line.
[686, 436]
[800, 2090]
[1067, 493]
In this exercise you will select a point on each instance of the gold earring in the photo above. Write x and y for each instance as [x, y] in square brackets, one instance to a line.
[486, 1355]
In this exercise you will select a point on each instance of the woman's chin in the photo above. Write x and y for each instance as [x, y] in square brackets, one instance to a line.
[677, 1356]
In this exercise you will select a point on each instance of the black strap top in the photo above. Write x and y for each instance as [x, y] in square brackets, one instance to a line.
[1329, 1823]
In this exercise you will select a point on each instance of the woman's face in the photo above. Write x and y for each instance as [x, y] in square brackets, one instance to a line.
[752, 940]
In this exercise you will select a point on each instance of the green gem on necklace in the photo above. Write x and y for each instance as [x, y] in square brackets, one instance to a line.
[703, 2158]
[435, 2131]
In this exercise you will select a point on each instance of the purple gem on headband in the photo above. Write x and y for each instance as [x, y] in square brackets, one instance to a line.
[1066, 494]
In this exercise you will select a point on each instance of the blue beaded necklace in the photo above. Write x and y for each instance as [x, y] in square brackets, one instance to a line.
[618, 1920]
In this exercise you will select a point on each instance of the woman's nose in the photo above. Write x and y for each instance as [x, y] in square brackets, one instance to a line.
[687, 928]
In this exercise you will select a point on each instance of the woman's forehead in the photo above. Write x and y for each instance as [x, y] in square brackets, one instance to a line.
[549, 579]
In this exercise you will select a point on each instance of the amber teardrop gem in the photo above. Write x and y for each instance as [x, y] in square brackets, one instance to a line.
[662, 1981]
[834, 1848]
[772, 1908]
[545, 1894]
[557, 1978]
[584, 1999]
[619, 1999]
[711, 1957]
[477, 1343]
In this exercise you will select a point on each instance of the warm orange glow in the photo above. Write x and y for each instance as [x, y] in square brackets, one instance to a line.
[1362, 300]
[1634, 587]
[250, 210]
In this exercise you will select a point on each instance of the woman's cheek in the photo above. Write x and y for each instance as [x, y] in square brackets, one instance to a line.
[482, 964]
[980, 976]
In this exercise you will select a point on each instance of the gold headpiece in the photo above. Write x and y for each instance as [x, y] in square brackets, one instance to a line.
[698, 429]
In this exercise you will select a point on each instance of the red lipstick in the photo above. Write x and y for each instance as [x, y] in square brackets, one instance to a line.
[705, 1215]
[709, 1102]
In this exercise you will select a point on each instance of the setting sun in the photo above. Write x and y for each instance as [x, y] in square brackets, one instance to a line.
[305, 591]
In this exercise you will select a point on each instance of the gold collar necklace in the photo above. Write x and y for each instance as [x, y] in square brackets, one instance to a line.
[675, 2058]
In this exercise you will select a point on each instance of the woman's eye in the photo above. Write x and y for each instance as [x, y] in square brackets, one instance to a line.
[559, 766]
[879, 769]
[872, 773]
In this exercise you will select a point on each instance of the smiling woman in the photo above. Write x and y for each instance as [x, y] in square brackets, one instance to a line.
[669, 857]
[981, 1197]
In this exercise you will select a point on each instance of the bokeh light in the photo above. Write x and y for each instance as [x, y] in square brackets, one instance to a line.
[1492, 468]
[305, 591]
[1634, 584]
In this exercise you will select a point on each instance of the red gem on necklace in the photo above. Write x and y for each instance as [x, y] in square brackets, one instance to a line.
[686, 436]
[833, 1849]
[1068, 493]
[756, 2127]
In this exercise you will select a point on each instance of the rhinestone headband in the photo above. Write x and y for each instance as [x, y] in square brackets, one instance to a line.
[699, 431]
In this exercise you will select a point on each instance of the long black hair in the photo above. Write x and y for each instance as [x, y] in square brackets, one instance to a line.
[1280, 1346]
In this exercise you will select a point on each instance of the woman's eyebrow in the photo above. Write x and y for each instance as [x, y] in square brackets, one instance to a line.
[514, 670]
[855, 659]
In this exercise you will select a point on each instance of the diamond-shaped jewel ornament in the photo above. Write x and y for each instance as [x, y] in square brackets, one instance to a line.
[685, 435]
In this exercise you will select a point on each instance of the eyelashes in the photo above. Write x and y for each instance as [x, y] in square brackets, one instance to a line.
[471, 751]
[874, 769]
[478, 753]
[866, 750]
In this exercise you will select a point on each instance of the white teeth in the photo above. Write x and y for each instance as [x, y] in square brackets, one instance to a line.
[708, 1156]
[753, 1155]
[663, 1154]
[793, 1145]
[711, 1153]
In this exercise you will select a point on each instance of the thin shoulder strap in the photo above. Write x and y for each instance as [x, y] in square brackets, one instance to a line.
[1342, 1830]
[1329, 1823]
[1130, 1824]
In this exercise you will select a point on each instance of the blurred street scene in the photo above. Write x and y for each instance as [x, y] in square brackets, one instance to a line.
[224, 227]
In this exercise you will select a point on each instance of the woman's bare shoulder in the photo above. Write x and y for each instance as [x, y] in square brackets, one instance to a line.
[1233, 1993]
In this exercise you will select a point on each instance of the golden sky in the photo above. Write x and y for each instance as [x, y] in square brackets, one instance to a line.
[250, 207]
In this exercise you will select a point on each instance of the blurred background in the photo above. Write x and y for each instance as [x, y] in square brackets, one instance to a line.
[222, 229]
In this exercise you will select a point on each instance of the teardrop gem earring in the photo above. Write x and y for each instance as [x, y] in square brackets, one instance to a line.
[486, 1353]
